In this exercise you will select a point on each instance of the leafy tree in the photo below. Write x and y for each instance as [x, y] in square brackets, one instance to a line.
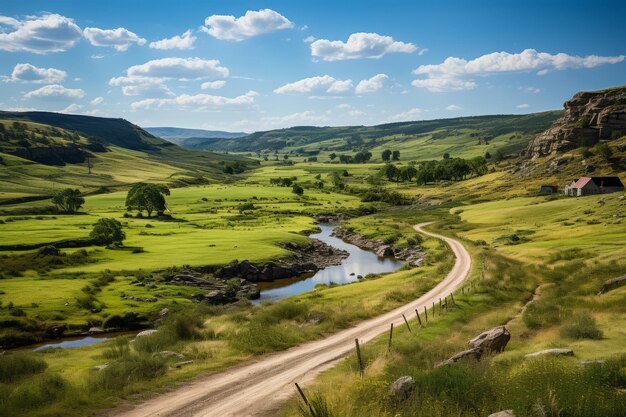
[246, 206]
[332, 156]
[446, 155]
[487, 155]
[68, 200]
[362, 157]
[296, 189]
[395, 155]
[390, 171]
[107, 231]
[407, 173]
[345, 159]
[148, 197]
[478, 165]
[386, 155]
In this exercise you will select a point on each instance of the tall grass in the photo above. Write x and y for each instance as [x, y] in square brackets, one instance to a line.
[17, 365]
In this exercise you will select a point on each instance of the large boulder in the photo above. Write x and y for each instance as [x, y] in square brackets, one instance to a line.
[491, 341]
[552, 352]
[402, 387]
[146, 333]
[612, 284]
[505, 413]
[474, 354]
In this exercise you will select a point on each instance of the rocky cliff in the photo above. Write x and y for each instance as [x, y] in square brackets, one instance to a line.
[589, 117]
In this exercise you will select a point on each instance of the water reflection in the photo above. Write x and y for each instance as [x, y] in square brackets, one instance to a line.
[359, 262]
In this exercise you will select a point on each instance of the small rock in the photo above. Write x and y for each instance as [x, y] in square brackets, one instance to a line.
[146, 333]
[167, 354]
[95, 330]
[552, 352]
[181, 364]
[474, 353]
[402, 387]
[592, 361]
[99, 368]
[505, 413]
[492, 341]
[164, 312]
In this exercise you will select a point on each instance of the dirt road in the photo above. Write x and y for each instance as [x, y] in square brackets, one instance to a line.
[259, 388]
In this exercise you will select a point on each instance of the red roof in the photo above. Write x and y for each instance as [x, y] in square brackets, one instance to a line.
[582, 182]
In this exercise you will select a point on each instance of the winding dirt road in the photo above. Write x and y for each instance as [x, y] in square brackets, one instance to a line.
[259, 388]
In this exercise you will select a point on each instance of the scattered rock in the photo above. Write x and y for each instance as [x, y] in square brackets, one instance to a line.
[164, 312]
[474, 353]
[95, 330]
[181, 364]
[592, 361]
[146, 333]
[167, 354]
[492, 341]
[612, 284]
[505, 413]
[99, 368]
[402, 387]
[552, 352]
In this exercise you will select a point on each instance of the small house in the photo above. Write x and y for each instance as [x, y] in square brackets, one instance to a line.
[569, 189]
[549, 189]
[595, 185]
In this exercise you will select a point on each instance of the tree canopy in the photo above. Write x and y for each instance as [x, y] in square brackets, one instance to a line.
[148, 197]
[107, 231]
[68, 200]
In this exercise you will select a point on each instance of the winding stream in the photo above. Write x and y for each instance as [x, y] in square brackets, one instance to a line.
[359, 262]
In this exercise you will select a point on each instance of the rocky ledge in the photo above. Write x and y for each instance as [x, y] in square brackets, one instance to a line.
[412, 255]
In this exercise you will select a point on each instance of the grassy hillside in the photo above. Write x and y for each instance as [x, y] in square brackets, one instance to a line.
[187, 137]
[37, 158]
[465, 136]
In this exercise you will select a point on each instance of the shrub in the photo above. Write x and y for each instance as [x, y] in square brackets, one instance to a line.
[42, 390]
[541, 314]
[17, 365]
[583, 122]
[582, 326]
[128, 369]
[107, 231]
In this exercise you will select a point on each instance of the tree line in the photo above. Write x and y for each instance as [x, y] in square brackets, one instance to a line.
[447, 169]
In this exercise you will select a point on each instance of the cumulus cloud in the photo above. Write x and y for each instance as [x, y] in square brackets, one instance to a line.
[522, 106]
[121, 39]
[452, 74]
[407, 115]
[343, 106]
[55, 91]
[253, 23]
[141, 86]
[359, 45]
[181, 69]
[197, 101]
[31, 74]
[72, 108]
[319, 85]
[38, 34]
[294, 119]
[97, 101]
[213, 85]
[454, 107]
[355, 113]
[309, 39]
[372, 85]
[184, 41]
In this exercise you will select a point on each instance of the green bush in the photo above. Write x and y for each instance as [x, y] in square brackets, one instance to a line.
[541, 314]
[582, 326]
[128, 369]
[17, 365]
[38, 392]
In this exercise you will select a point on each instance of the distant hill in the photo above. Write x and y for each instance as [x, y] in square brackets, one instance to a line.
[180, 135]
[463, 136]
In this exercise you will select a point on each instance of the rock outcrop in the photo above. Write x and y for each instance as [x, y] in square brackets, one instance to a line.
[491, 341]
[552, 352]
[611, 284]
[589, 117]
[402, 387]
[412, 254]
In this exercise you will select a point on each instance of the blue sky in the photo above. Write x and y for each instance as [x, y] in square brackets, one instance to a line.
[235, 65]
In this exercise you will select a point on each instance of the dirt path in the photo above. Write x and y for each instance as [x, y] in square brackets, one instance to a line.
[260, 388]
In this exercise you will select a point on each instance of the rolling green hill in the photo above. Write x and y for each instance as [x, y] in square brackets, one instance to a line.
[464, 136]
[89, 153]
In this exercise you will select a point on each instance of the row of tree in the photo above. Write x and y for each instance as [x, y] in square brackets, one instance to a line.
[446, 169]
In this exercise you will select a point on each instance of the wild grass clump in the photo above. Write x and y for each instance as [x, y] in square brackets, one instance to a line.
[259, 338]
[17, 365]
[317, 407]
[582, 326]
[542, 314]
[132, 367]
[182, 326]
[38, 392]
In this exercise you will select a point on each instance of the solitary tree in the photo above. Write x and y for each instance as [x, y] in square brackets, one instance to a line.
[296, 189]
[395, 155]
[386, 155]
[68, 200]
[148, 197]
[107, 231]
[332, 156]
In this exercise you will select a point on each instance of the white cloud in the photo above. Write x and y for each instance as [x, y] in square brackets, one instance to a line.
[448, 76]
[185, 41]
[141, 86]
[372, 85]
[454, 107]
[320, 84]
[309, 39]
[522, 106]
[120, 39]
[294, 119]
[355, 113]
[72, 108]
[253, 23]
[343, 106]
[197, 102]
[54, 91]
[32, 74]
[407, 115]
[22, 109]
[359, 45]
[97, 101]
[39, 34]
[534, 90]
[213, 85]
[181, 69]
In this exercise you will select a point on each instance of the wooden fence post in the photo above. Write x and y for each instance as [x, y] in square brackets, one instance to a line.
[426, 314]
[305, 399]
[433, 309]
[390, 337]
[407, 324]
[453, 301]
[419, 319]
[440, 307]
[358, 355]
